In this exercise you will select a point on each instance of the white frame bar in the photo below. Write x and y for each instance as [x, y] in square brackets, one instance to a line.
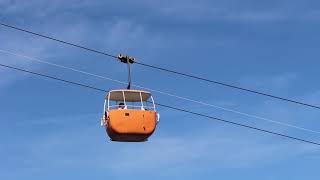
[154, 105]
[124, 100]
[142, 108]
[108, 101]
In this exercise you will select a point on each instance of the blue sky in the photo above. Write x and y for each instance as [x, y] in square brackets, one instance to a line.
[51, 130]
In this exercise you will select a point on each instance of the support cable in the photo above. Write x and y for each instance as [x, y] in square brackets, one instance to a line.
[160, 92]
[168, 70]
[166, 106]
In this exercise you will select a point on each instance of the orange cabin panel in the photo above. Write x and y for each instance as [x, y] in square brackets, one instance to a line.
[130, 121]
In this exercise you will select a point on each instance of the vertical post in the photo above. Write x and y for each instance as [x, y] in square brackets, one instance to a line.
[129, 75]
[124, 99]
[142, 108]
[104, 106]
[154, 105]
[108, 101]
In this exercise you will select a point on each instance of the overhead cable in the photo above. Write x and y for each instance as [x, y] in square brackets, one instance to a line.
[166, 106]
[158, 91]
[166, 69]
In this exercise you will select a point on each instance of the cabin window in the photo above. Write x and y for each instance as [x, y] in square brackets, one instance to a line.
[130, 100]
[148, 104]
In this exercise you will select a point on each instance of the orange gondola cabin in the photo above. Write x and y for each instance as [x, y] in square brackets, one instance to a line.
[129, 115]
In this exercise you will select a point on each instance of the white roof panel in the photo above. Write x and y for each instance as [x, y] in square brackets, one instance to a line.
[130, 95]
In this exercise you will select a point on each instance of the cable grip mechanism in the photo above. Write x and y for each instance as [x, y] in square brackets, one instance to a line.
[126, 59]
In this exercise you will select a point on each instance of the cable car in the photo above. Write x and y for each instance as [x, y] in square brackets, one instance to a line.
[129, 115]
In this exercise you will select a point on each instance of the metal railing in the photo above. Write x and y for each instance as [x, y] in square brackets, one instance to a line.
[113, 107]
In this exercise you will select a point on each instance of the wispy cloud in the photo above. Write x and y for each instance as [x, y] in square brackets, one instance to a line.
[275, 82]
[208, 11]
[255, 17]
[116, 36]
[63, 147]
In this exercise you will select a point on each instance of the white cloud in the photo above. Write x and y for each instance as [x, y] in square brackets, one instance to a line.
[6, 78]
[64, 147]
[26, 45]
[41, 9]
[312, 98]
[252, 16]
[123, 34]
[313, 15]
[276, 82]
[209, 11]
